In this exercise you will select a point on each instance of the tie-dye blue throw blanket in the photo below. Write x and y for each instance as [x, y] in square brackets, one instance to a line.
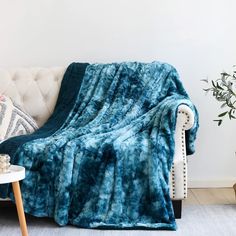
[102, 160]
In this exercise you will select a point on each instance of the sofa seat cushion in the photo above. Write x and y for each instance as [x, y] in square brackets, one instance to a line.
[13, 120]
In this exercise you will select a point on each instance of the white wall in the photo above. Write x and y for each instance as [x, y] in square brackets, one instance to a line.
[198, 37]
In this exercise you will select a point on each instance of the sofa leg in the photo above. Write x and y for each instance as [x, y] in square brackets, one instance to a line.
[177, 206]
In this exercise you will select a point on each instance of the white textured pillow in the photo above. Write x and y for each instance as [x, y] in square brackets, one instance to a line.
[13, 120]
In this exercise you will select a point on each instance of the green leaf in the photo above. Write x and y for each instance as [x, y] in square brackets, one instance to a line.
[225, 74]
[230, 114]
[219, 122]
[223, 114]
[205, 80]
[218, 86]
[223, 105]
[213, 84]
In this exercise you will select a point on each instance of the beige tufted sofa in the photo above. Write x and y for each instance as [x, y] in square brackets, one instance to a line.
[36, 91]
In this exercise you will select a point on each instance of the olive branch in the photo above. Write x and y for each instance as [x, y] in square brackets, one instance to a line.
[224, 91]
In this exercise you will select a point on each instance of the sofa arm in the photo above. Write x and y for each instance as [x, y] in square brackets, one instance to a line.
[178, 175]
[185, 117]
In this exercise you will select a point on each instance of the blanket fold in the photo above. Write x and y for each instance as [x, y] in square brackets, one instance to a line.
[103, 158]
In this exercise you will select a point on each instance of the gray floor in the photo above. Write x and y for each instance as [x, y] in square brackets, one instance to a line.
[197, 220]
[205, 212]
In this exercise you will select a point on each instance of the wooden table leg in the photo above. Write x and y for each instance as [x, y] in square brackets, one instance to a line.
[20, 209]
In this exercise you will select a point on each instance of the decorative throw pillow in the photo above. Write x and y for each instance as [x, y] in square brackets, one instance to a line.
[13, 120]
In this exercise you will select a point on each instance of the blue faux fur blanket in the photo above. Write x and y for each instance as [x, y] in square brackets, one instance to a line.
[103, 158]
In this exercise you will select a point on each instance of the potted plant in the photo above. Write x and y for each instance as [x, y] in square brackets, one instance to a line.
[224, 91]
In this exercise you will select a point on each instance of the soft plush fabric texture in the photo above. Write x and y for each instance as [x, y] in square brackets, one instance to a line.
[107, 162]
[13, 120]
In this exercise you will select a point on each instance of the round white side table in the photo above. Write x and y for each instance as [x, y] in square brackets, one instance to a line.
[15, 174]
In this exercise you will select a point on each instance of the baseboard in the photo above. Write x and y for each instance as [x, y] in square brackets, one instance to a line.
[211, 183]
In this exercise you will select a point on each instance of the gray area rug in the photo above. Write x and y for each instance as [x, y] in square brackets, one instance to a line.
[197, 220]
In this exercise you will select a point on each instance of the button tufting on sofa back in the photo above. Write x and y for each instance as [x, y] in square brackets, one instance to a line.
[34, 89]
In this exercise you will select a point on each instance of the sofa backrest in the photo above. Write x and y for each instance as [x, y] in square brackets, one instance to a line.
[34, 89]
